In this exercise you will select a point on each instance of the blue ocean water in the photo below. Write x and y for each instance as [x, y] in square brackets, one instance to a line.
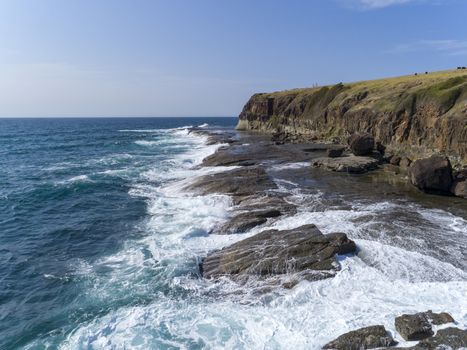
[100, 244]
[68, 197]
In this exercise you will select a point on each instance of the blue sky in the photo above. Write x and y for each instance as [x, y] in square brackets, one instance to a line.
[206, 57]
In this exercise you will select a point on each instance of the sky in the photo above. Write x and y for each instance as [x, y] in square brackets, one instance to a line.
[85, 58]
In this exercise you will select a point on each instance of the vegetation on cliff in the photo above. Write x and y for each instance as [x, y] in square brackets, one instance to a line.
[415, 115]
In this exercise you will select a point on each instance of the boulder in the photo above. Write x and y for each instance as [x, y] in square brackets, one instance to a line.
[364, 338]
[361, 144]
[350, 164]
[395, 160]
[273, 252]
[247, 220]
[459, 189]
[380, 148]
[438, 319]
[335, 152]
[405, 163]
[414, 327]
[432, 174]
[448, 338]
[459, 185]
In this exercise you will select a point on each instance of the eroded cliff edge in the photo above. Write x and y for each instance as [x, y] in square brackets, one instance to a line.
[415, 116]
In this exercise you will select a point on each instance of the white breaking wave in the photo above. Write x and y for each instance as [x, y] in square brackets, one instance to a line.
[186, 312]
[79, 178]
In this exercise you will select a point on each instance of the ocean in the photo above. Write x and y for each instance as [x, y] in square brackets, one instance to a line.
[100, 246]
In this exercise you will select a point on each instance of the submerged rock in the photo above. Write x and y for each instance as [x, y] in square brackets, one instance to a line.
[432, 174]
[361, 144]
[349, 164]
[364, 338]
[276, 252]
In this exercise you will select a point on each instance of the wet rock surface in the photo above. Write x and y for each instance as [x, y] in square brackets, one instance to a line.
[284, 258]
[247, 220]
[448, 338]
[349, 164]
[414, 327]
[411, 327]
[459, 185]
[238, 183]
[275, 252]
[438, 319]
[215, 137]
[432, 174]
[364, 338]
[361, 144]
[335, 152]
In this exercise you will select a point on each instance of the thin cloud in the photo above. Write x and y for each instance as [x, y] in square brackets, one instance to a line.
[374, 4]
[451, 47]
[379, 4]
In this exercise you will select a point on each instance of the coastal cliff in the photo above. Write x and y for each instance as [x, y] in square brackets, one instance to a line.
[414, 116]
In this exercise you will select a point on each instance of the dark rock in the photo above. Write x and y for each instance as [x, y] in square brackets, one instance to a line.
[459, 185]
[361, 144]
[335, 152]
[395, 160]
[438, 319]
[364, 338]
[214, 137]
[380, 148]
[405, 163]
[271, 201]
[414, 327]
[317, 147]
[350, 164]
[459, 175]
[241, 182]
[376, 155]
[246, 221]
[276, 252]
[448, 338]
[432, 174]
[228, 157]
[459, 188]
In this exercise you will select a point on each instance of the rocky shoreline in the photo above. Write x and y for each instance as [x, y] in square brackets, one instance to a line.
[284, 257]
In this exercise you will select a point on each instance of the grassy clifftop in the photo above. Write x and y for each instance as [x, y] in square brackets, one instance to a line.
[417, 114]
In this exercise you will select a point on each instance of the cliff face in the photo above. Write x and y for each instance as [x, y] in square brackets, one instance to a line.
[414, 116]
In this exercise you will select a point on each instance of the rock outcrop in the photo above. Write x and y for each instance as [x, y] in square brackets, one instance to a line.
[247, 220]
[274, 252]
[416, 115]
[411, 327]
[239, 183]
[364, 338]
[350, 164]
[448, 338]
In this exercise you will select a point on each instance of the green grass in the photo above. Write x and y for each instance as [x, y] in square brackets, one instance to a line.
[442, 89]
